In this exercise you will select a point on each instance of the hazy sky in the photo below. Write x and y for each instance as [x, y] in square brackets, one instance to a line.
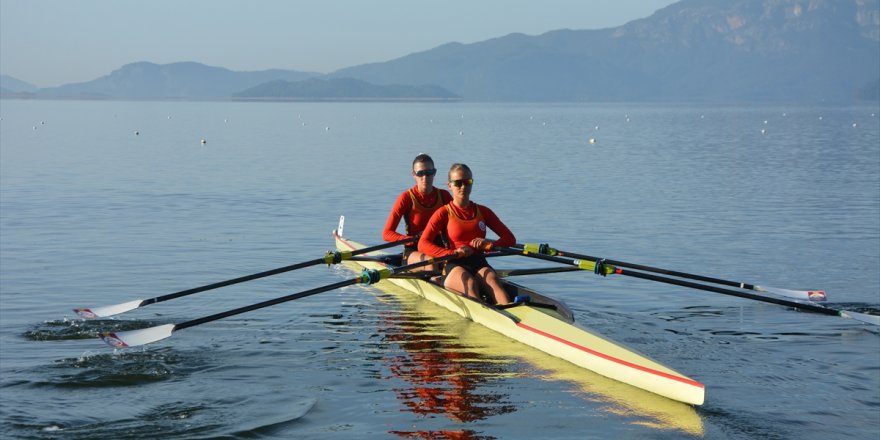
[53, 42]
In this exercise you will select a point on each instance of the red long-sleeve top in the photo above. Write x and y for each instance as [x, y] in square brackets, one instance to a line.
[415, 209]
[461, 226]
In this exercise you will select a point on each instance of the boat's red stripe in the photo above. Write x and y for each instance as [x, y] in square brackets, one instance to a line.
[344, 241]
[598, 354]
[611, 358]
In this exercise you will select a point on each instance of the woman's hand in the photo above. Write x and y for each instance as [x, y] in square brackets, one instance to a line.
[482, 244]
[464, 251]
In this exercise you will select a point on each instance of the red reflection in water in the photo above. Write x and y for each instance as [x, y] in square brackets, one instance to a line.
[444, 377]
[437, 435]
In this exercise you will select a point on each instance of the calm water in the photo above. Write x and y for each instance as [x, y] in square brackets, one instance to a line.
[94, 214]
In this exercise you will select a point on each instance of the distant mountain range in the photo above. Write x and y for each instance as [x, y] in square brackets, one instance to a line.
[177, 80]
[343, 89]
[816, 51]
[9, 84]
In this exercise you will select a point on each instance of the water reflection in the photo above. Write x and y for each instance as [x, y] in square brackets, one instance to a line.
[465, 434]
[444, 376]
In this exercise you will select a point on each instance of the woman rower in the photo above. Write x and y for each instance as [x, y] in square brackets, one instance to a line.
[464, 223]
[415, 206]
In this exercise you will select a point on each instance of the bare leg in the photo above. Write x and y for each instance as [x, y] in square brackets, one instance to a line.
[489, 281]
[417, 257]
[461, 281]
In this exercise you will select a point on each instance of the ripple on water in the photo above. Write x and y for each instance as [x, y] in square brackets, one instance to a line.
[71, 329]
[121, 368]
[187, 420]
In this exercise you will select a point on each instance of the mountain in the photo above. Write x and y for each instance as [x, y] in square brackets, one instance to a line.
[9, 84]
[343, 89]
[793, 51]
[693, 50]
[187, 80]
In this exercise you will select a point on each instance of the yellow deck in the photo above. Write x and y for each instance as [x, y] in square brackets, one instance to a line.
[548, 331]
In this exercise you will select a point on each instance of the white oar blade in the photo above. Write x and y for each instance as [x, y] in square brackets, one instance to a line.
[105, 311]
[863, 317]
[133, 338]
[809, 295]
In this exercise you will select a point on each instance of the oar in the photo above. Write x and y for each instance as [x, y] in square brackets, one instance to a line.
[332, 257]
[134, 338]
[603, 268]
[516, 272]
[812, 295]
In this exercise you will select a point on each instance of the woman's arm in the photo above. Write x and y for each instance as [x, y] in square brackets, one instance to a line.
[401, 206]
[436, 224]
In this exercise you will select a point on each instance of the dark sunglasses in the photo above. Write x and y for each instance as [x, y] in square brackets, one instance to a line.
[423, 173]
[461, 182]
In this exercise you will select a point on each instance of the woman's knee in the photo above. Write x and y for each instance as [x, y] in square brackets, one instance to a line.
[461, 281]
[418, 257]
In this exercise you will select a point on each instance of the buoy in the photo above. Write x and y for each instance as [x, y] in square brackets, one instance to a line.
[204, 142]
[592, 140]
[326, 128]
[137, 133]
[763, 131]
[855, 125]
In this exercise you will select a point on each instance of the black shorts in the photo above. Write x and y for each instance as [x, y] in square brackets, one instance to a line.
[471, 264]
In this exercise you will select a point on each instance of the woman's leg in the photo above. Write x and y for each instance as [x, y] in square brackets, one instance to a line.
[488, 280]
[461, 281]
[417, 257]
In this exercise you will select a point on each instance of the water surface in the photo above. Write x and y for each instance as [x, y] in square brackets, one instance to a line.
[106, 202]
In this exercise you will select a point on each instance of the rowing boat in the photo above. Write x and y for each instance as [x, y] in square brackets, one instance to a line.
[548, 326]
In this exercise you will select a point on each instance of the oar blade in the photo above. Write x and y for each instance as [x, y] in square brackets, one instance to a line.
[863, 317]
[809, 295]
[105, 311]
[133, 338]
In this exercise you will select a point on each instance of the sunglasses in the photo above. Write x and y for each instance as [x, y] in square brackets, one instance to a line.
[423, 173]
[458, 183]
